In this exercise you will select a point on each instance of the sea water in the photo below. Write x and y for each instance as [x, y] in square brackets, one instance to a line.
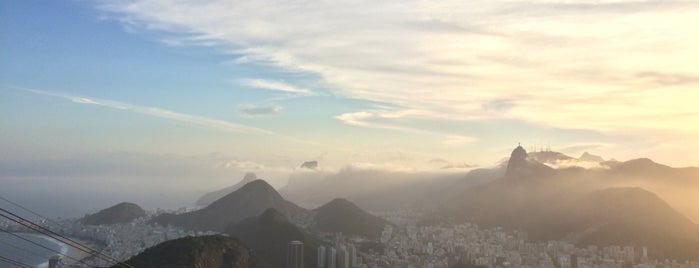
[17, 249]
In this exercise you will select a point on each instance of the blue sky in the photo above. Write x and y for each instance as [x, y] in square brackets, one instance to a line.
[228, 87]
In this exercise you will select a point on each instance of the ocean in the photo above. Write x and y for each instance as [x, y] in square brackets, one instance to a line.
[17, 249]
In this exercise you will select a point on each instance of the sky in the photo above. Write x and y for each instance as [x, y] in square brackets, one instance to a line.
[190, 95]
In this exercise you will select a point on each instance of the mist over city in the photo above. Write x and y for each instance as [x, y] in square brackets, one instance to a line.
[449, 134]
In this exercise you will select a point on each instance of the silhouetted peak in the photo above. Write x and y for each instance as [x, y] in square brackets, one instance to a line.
[341, 215]
[211, 197]
[590, 157]
[253, 192]
[643, 166]
[640, 162]
[119, 213]
[310, 164]
[549, 157]
[272, 215]
[257, 186]
[519, 153]
[250, 176]
[518, 159]
[126, 205]
[520, 166]
[339, 203]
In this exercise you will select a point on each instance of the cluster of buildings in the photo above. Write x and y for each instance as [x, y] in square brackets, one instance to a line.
[122, 241]
[409, 245]
[119, 241]
[344, 256]
[404, 245]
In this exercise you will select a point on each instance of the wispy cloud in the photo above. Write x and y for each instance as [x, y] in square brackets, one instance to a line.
[395, 121]
[604, 65]
[255, 110]
[156, 112]
[274, 85]
[458, 140]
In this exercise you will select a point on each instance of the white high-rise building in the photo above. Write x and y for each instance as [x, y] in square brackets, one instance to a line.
[353, 256]
[332, 258]
[294, 255]
[343, 258]
[321, 257]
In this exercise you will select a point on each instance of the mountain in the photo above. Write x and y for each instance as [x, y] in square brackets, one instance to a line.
[268, 235]
[250, 200]
[380, 190]
[549, 157]
[638, 217]
[521, 166]
[587, 157]
[310, 164]
[209, 198]
[641, 167]
[340, 215]
[576, 205]
[119, 213]
[204, 251]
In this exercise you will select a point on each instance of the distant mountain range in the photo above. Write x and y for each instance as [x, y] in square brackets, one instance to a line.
[209, 198]
[119, 213]
[373, 189]
[258, 216]
[587, 157]
[250, 200]
[205, 251]
[268, 235]
[342, 216]
[560, 204]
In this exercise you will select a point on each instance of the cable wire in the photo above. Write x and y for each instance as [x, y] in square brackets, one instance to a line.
[77, 245]
[15, 262]
[25, 250]
[41, 246]
[93, 252]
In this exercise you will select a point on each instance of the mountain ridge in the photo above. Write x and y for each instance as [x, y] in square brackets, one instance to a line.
[205, 251]
[268, 235]
[250, 200]
[210, 197]
[551, 205]
[341, 215]
[119, 213]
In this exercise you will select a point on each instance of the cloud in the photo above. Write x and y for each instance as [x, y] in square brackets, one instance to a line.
[274, 85]
[158, 112]
[614, 66]
[578, 148]
[669, 79]
[254, 110]
[458, 140]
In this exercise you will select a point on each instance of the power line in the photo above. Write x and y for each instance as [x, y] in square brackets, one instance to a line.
[92, 252]
[32, 242]
[41, 246]
[34, 227]
[77, 245]
[15, 262]
[26, 250]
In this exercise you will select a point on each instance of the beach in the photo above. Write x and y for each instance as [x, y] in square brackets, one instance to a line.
[77, 254]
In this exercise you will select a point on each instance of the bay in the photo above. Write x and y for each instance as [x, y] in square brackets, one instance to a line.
[25, 252]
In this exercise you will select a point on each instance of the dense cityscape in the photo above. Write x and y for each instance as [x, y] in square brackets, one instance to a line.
[405, 244]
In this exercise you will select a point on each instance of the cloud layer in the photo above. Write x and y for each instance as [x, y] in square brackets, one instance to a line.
[614, 66]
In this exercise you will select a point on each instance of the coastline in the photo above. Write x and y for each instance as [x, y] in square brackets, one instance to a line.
[70, 251]
[79, 254]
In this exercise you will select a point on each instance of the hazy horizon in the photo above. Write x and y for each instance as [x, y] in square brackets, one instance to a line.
[159, 102]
